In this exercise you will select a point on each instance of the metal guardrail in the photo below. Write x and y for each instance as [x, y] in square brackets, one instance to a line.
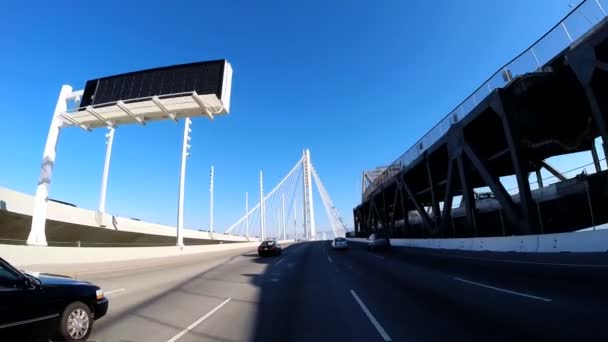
[573, 26]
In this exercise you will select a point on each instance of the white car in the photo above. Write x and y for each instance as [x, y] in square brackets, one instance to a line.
[339, 243]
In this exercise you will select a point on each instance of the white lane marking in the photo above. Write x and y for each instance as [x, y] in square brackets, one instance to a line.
[329, 258]
[198, 321]
[275, 280]
[377, 256]
[278, 262]
[114, 291]
[504, 290]
[371, 317]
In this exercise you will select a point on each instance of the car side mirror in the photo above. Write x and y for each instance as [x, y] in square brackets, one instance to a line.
[24, 283]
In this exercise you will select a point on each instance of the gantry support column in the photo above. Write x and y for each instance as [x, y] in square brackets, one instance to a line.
[37, 236]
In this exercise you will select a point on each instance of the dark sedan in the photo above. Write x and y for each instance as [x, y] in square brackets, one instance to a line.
[43, 306]
[269, 247]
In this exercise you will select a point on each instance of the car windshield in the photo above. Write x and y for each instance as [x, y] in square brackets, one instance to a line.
[268, 243]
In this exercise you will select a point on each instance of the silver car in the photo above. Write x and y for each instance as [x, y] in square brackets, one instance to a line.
[378, 241]
[339, 243]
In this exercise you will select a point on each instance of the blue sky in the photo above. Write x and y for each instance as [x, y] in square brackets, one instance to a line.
[356, 82]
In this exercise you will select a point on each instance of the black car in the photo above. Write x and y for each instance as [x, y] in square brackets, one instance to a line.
[269, 247]
[38, 306]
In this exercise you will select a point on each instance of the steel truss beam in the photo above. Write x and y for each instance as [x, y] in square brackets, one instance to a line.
[434, 201]
[495, 185]
[428, 223]
[467, 194]
[448, 198]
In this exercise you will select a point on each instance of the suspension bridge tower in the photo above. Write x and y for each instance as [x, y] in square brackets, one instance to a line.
[309, 213]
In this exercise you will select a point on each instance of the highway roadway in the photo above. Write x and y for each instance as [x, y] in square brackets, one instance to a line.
[312, 293]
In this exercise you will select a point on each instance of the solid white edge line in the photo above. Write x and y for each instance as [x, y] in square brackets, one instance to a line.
[371, 317]
[114, 291]
[378, 256]
[504, 290]
[198, 321]
[329, 258]
[278, 262]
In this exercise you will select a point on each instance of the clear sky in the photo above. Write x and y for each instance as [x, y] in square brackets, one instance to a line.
[357, 82]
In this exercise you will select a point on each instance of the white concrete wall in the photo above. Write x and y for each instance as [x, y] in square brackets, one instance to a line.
[21, 203]
[27, 255]
[582, 241]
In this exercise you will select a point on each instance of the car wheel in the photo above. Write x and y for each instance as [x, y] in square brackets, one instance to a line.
[76, 322]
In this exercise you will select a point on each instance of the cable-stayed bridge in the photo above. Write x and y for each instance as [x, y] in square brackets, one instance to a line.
[288, 209]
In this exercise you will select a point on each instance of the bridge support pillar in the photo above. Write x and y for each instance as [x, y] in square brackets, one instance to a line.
[434, 199]
[504, 108]
[37, 236]
[467, 194]
[446, 214]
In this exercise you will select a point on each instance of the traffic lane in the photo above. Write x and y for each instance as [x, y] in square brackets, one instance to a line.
[237, 319]
[125, 288]
[562, 318]
[233, 318]
[408, 313]
[157, 304]
[568, 281]
[577, 270]
[217, 304]
[306, 298]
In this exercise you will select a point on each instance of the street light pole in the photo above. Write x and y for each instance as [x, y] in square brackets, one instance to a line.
[283, 217]
[247, 215]
[211, 186]
[262, 207]
[182, 181]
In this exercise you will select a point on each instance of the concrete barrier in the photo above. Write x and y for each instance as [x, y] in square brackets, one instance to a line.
[28, 255]
[66, 223]
[582, 241]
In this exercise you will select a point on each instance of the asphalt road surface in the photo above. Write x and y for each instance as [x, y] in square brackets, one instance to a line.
[312, 293]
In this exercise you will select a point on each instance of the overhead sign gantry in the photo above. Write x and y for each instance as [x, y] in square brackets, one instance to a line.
[168, 93]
